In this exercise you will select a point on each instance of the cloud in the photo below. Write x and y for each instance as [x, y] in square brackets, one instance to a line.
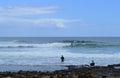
[14, 15]
[20, 11]
[42, 22]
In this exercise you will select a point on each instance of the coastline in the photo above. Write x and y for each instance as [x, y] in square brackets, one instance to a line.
[73, 71]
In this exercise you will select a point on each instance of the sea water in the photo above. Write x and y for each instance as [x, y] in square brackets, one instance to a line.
[43, 53]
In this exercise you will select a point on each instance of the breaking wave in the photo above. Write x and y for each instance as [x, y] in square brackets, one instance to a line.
[47, 45]
[90, 44]
[58, 44]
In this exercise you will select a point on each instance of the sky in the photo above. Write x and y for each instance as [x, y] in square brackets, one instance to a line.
[59, 18]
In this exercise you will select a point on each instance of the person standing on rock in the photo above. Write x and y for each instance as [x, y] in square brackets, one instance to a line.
[93, 63]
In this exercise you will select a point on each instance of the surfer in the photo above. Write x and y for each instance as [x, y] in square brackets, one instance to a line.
[62, 58]
[71, 44]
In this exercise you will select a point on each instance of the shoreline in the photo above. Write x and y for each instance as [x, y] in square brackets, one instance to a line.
[42, 68]
[73, 71]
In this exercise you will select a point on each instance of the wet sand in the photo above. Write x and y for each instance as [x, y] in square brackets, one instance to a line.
[72, 72]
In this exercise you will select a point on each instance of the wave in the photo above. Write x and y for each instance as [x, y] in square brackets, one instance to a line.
[90, 44]
[16, 41]
[47, 45]
[56, 44]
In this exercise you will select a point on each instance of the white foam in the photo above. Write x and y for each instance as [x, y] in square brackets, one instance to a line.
[47, 45]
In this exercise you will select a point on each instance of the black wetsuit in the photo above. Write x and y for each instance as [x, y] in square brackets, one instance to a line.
[62, 59]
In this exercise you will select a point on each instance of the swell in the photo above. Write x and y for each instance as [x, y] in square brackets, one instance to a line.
[58, 44]
[90, 44]
[46, 45]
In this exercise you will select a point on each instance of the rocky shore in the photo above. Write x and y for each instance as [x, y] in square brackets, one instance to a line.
[109, 71]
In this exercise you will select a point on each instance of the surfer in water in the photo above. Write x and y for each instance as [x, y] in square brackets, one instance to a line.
[72, 43]
[62, 58]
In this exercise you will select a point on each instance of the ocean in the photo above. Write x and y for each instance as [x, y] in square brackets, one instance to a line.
[43, 53]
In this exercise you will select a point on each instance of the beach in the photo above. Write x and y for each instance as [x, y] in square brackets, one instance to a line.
[72, 72]
[59, 39]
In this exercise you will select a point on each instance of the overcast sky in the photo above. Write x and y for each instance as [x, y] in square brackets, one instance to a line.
[59, 18]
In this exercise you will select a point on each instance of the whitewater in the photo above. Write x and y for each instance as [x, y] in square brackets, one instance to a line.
[43, 53]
